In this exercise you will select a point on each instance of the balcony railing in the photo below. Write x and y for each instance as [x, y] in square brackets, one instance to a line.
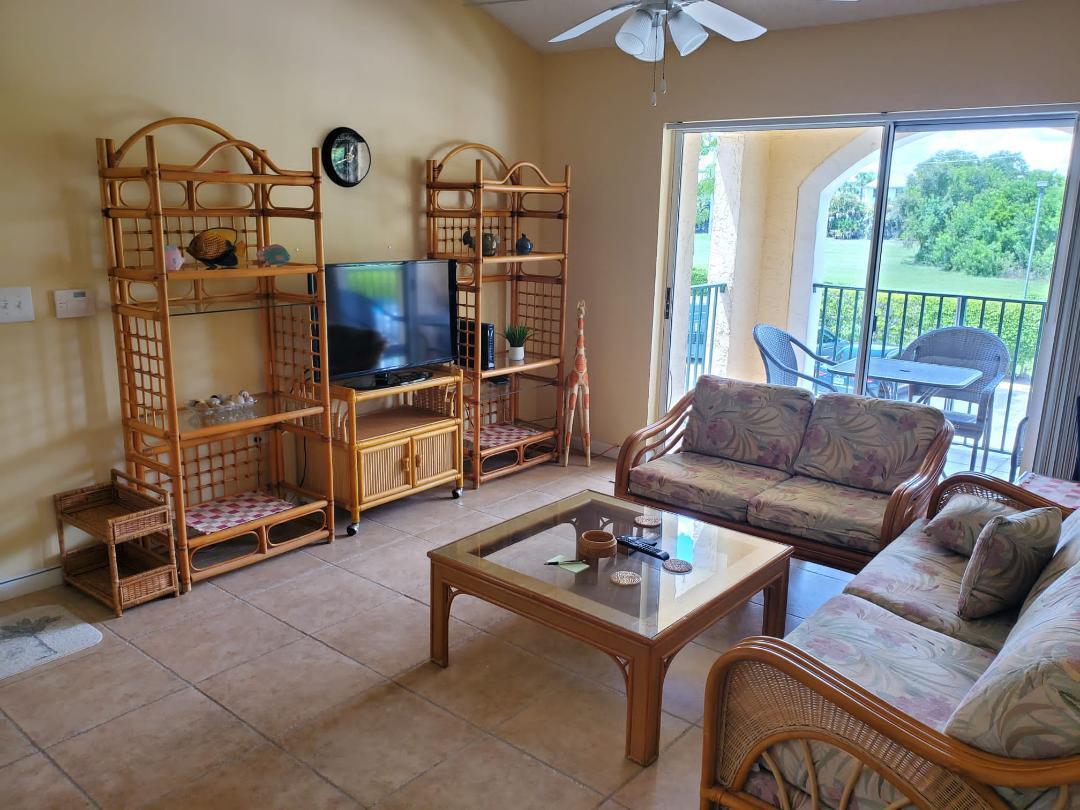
[899, 317]
[701, 328]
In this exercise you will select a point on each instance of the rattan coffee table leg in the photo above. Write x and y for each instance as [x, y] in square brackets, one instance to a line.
[775, 618]
[440, 618]
[644, 694]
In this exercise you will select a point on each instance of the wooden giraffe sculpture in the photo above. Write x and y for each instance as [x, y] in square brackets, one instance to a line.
[577, 382]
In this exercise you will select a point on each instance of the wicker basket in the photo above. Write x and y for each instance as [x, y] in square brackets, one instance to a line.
[135, 560]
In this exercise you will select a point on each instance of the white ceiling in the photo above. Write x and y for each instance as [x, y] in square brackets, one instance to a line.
[536, 21]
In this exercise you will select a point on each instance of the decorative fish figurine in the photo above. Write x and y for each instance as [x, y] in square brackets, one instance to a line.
[273, 255]
[216, 247]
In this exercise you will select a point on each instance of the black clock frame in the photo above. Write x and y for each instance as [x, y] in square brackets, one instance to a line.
[327, 149]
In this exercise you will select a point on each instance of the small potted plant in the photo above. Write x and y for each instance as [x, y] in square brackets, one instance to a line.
[516, 334]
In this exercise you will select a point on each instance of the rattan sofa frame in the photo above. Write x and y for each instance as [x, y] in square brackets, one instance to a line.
[764, 691]
[907, 503]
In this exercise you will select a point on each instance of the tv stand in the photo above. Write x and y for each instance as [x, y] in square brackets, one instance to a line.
[388, 379]
[393, 440]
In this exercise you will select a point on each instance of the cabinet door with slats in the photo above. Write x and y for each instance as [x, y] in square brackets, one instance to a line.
[385, 470]
[435, 455]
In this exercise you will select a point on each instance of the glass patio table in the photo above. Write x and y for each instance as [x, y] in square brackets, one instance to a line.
[910, 372]
[642, 627]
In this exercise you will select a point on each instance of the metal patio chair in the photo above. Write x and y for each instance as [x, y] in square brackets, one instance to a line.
[967, 347]
[777, 349]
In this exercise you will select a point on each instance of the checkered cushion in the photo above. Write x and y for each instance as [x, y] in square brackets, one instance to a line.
[213, 516]
[498, 435]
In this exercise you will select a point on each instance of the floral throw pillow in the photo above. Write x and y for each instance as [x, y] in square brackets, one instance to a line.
[1008, 557]
[958, 525]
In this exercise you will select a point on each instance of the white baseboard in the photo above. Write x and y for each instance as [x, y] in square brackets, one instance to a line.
[28, 583]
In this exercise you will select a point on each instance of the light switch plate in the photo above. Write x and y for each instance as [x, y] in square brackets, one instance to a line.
[73, 303]
[16, 305]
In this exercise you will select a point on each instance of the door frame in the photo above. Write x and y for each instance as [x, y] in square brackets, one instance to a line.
[1061, 273]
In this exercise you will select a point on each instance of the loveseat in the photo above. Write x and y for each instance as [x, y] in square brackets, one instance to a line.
[837, 476]
[886, 698]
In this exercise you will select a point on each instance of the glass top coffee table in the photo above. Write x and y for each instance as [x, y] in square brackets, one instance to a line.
[642, 626]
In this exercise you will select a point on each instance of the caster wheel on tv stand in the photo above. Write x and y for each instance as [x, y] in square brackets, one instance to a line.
[352, 529]
[455, 493]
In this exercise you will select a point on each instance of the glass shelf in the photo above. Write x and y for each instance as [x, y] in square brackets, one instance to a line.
[267, 410]
[495, 390]
[179, 308]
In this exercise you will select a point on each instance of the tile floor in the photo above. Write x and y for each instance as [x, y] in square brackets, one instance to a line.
[303, 682]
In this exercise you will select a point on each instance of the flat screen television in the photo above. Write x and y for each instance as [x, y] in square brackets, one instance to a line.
[388, 316]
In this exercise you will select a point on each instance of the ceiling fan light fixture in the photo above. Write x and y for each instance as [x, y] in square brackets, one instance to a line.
[633, 36]
[654, 42]
[686, 32]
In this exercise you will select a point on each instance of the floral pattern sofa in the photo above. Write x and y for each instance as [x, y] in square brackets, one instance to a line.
[886, 698]
[837, 476]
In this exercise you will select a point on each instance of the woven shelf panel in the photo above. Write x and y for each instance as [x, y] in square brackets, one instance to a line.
[295, 352]
[142, 370]
[224, 467]
[233, 510]
[539, 306]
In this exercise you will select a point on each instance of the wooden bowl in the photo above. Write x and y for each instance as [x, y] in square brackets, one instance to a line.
[596, 543]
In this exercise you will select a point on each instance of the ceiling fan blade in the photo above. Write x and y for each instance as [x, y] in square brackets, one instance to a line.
[592, 22]
[723, 21]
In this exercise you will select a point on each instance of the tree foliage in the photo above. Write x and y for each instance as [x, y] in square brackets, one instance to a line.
[850, 214]
[975, 215]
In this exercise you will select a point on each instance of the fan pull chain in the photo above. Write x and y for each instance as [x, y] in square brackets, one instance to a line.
[654, 69]
[663, 71]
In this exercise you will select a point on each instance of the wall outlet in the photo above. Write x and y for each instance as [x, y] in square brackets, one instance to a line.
[16, 304]
[73, 303]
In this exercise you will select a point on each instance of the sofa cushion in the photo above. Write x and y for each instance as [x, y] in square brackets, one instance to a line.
[818, 510]
[1027, 702]
[958, 525]
[715, 486]
[1066, 556]
[919, 581]
[919, 671]
[748, 422]
[866, 442]
[1009, 556]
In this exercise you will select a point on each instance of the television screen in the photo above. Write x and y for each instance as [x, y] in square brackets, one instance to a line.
[384, 316]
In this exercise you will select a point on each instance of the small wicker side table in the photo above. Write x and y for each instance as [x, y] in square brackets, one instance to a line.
[135, 558]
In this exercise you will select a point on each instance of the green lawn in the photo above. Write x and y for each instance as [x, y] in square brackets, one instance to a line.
[845, 264]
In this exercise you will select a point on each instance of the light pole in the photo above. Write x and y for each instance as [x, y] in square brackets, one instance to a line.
[1041, 185]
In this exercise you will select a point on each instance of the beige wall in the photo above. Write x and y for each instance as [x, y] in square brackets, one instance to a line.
[598, 118]
[411, 76]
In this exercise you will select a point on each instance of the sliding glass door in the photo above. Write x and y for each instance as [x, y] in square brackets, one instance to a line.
[908, 259]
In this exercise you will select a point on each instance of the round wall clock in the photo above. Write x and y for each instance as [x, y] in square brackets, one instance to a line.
[346, 156]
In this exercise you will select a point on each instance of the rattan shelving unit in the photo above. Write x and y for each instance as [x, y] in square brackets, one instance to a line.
[513, 411]
[240, 482]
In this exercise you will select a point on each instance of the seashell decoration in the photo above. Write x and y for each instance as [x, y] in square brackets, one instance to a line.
[216, 403]
[273, 255]
[174, 257]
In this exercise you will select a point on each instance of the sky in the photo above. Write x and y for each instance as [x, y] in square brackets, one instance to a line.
[1042, 147]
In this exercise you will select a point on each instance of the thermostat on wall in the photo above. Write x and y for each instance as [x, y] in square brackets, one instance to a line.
[73, 303]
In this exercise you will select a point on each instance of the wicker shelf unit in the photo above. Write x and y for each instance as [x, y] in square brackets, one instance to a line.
[392, 442]
[245, 485]
[503, 434]
[133, 559]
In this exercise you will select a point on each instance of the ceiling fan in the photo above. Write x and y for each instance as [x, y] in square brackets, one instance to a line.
[642, 34]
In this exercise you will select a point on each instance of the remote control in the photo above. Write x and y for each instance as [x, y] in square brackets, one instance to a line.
[635, 544]
[633, 538]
